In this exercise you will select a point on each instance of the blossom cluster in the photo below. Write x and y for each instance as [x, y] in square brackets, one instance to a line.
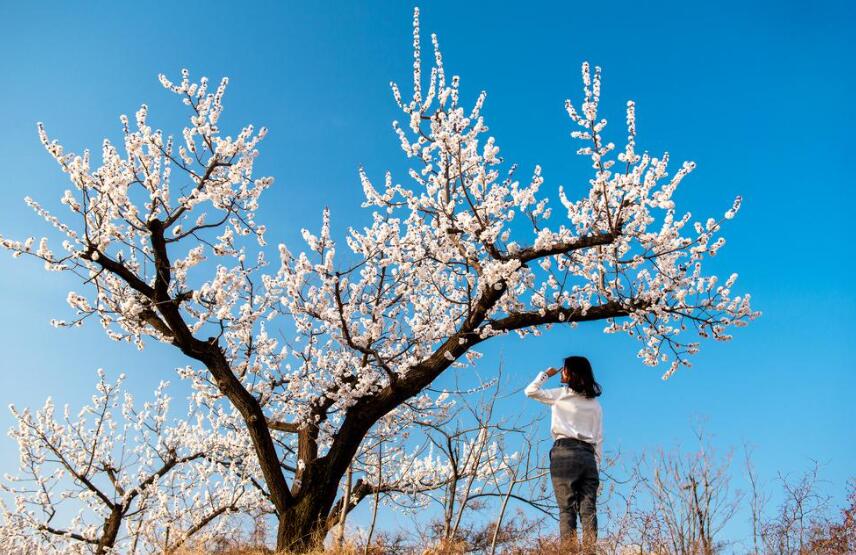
[119, 473]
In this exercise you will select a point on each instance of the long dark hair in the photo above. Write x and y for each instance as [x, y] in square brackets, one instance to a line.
[581, 377]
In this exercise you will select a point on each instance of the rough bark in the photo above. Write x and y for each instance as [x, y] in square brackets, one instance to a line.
[303, 526]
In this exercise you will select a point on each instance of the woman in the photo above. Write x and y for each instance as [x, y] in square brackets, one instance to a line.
[577, 428]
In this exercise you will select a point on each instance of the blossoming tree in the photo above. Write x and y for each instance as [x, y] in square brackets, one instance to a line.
[119, 476]
[164, 235]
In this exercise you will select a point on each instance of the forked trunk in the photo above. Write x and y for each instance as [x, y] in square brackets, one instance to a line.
[303, 527]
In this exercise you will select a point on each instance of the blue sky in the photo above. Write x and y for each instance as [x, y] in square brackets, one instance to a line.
[759, 94]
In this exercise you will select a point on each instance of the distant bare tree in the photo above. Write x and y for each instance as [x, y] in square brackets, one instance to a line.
[692, 496]
[757, 499]
[625, 523]
[787, 533]
[830, 537]
[526, 470]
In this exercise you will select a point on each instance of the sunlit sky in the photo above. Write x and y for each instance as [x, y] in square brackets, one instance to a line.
[758, 94]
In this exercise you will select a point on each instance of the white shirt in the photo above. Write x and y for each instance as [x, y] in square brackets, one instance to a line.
[573, 415]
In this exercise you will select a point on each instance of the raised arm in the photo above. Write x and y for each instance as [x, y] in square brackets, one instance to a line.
[535, 391]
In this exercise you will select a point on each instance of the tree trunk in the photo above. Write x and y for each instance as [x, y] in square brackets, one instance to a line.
[110, 531]
[300, 529]
[304, 525]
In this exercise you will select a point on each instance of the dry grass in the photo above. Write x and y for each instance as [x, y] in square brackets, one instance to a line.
[545, 546]
[348, 549]
[250, 550]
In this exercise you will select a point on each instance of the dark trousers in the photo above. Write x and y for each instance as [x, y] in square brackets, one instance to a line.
[573, 469]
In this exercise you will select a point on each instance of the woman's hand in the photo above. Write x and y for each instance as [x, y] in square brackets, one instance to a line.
[552, 371]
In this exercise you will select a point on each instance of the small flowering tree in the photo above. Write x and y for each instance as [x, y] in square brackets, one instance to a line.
[164, 234]
[110, 477]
